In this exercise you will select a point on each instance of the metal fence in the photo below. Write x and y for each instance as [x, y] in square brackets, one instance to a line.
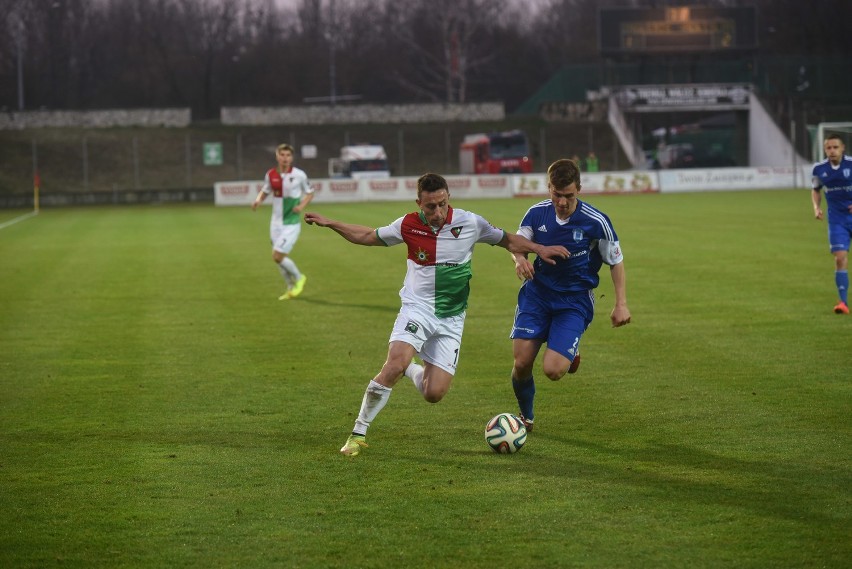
[145, 162]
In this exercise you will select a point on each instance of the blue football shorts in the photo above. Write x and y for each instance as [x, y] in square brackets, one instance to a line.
[839, 236]
[557, 318]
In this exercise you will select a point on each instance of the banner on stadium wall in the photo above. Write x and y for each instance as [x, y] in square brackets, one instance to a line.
[532, 185]
[593, 183]
[379, 189]
[716, 179]
[236, 193]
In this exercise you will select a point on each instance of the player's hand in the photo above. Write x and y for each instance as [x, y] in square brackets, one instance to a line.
[818, 212]
[550, 253]
[620, 316]
[316, 219]
[524, 269]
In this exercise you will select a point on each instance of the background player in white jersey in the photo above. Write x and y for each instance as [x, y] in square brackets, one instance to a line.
[834, 175]
[556, 303]
[440, 242]
[291, 192]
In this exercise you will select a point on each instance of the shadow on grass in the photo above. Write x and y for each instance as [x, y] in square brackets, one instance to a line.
[782, 490]
[323, 302]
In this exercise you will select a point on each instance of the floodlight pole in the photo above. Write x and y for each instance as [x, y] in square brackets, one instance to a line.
[332, 71]
[19, 43]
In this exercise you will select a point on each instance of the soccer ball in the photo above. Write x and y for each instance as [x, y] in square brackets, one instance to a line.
[505, 433]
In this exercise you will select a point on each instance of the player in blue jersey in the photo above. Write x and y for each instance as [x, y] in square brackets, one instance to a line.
[556, 303]
[440, 242]
[834, 175]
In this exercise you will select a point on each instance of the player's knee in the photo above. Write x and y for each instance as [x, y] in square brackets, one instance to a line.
[523, 368]
[554, 374]
[434, 390]
[433, 397]
[433, 394]
[393, 371]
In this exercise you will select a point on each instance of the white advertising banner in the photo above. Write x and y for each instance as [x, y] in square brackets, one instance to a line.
[594, 183]
[236, 193]
[531, 185]
[342, 190]
[479, 186]
[704, 179]
[378, 189]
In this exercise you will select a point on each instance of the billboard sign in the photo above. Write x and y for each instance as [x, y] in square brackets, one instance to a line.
[676, 29]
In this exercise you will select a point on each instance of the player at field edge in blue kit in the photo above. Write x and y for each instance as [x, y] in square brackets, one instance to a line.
[834, 175]
[556, 303]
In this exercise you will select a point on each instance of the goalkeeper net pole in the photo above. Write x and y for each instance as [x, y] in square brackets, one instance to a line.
[36, 186]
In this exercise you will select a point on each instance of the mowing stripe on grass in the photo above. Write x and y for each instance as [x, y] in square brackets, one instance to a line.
[15, 220]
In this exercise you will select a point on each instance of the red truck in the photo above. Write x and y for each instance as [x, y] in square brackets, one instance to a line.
[495, 153]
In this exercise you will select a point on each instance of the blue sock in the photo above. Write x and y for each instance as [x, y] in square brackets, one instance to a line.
[842, 280]
[525, 392]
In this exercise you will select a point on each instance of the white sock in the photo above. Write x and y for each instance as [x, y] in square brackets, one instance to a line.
[375, 398]
[289, 270]
[414, 372]
[287, 278]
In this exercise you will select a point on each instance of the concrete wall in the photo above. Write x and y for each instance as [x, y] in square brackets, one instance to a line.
[358, 114]
[96, 119]
[768, 145]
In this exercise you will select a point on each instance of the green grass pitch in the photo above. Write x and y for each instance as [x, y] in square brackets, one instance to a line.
[160, 407]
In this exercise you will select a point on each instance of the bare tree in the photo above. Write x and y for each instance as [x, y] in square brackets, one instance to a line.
[441, 39]
[13, 43]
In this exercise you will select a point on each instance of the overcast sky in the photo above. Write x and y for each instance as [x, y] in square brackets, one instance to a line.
[534, 3]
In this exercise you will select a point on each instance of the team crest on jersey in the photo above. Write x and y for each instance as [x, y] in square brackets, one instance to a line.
[422, 255]
[456, 231]
[578, 234]
[412, 327]
[846, 172]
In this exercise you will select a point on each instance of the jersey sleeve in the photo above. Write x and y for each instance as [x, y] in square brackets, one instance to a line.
[487, 232]
[610, 251]
[391, 234]
[526, 226]
[306, 184]
[266, 188]
[816, 183]
[526, 231]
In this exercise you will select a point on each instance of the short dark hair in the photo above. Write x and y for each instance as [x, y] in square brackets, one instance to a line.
[431, 183]
[833, 136]
[563, 173]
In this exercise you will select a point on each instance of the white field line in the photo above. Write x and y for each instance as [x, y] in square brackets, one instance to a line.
[15, 220]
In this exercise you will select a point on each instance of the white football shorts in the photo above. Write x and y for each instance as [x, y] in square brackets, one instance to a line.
[437, 340]
[284, 237]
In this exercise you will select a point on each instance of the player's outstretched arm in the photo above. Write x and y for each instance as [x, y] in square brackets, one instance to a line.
[358, 234]
[620, 313]
[519, 244]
